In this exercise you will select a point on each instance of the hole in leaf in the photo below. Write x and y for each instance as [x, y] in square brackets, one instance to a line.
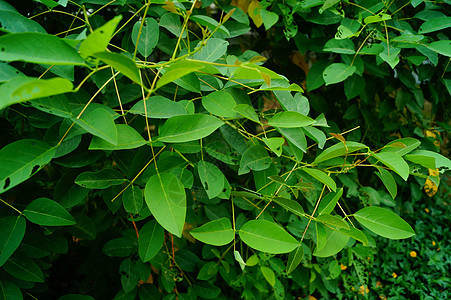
[7, 183]
[35, 169]
[3, 49]
[224, 190]
[206, 186]
[101, 31]
[123, 273]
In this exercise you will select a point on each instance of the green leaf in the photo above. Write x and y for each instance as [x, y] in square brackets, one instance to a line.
[100, 123]
[355, 234]
[315, 75]
[295, 258]
[172, 23]
[12, 231]
[158, 107]
[189, 82]
[388, 181]
[166, 199]
[211, 177]
[239, 259]
[132, 199]
[290, 205]
[56, 105]
[14, 22]
[384, 223]
[247, 111]
[377, 18]
[395, 162]
[390, 55]
[275, 144]
[9, 290]
[220, 104]
[425, 158]
[38, 48]
[8, 72]
[269, 275]
[337, 72]
[296, 136]
[121, 63]
[217, 232]
[333, 241]
[442, 47]
[266, 236]
[99, 39]
[101, 179]
[23, 267]
[46, 212]
[151, 238]
[333, 221]
[120, 247]
[269, 18]
[178, 70]
[343, 46]
[290, 119]
[20, 160]
[401, 146]
[149, 37]
[435, 24]
[315, 134]
[327, 204]
[211, 23]
[337, 150]
[21, 89]
[127, 137]
[212, 51]
[255, 158]
[179, 129]
[322, 177]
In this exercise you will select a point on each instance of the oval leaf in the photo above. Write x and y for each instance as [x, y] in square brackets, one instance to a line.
[220, 104]
[384, 223]
[127, 138]
[99, 122]
[100, 180]
[211, 177]
[322, 177]
[46, 212]
[394, 162]
[151, 238]
[166, 199]
[268, 237]
[158, 107]
[217, 232]
[12, 230]
[33, 156]
[337, 150]
[38, 48]
[290, 119]
[187, 128]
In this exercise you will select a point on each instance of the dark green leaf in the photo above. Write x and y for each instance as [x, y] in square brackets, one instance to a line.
[148, 38]
[158, 107]
[12, 231]
[151, 238]
[46, 212]
[101, 179]
[22, 159]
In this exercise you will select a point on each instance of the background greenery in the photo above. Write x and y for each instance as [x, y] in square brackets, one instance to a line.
[378, 71]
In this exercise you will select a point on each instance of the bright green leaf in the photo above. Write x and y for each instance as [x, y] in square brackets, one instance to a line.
[158, 107]
[127, 138]
[395, 162]
[255, 158]
[46, 212]
[327, 204]
[179, 129]
[322, 177]
[334, 241]
[178, 70]
[388, 181]
[21, 89]
[269, 275]
[337, 72]
[211, 177]
[267, 237]
[290, 205]
[290, 119]
[247, 111]
[121, 63]
[100, 123]
[339, 149]
[220, 104]
[435, 24]
[166, 199]
[295, 258]
[148, 38]
[384, 223]
[132, 199]
[38, 48]
[217, 232]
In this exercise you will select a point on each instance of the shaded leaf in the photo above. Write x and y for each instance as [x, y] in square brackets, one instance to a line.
[46, 212]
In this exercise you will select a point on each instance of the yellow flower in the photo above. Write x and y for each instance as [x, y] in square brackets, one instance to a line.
[427, 210]
[363, 290]
[394, 275]
[413, 254]
[433, 243]
[343, 267]
[378, 284]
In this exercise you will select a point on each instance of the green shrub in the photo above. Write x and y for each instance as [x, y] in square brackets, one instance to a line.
[145, 155]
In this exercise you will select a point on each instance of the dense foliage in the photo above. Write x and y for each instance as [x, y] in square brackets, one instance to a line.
[156, 149]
